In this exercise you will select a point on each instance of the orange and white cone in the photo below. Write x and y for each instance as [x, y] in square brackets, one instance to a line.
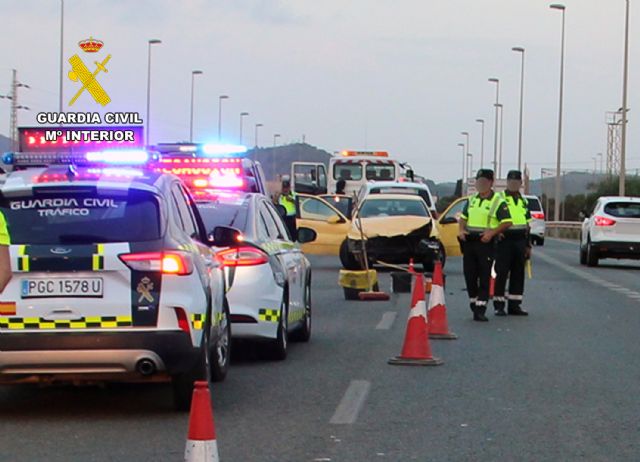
[201, 441]
[416, 350]
[437, 310]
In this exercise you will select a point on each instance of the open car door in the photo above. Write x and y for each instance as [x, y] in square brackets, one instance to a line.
[448, 227]
[327, 221]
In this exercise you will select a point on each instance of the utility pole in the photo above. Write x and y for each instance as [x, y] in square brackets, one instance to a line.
[13, 118]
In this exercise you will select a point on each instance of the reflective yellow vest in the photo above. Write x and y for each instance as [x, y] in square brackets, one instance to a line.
[289, 203]
[518, 210]
[482, 213]
[4, 233]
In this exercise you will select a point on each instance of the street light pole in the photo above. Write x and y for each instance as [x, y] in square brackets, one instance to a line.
[521, 51]
[193, 78]
[495, 134]
[464, 159]
[256, 135]
[481, 122]
[469, 164]
[147, 120]
[466, 134]
[601, 162]
[625, 109]
[242, 116]
[220, 98]
[499, 171]
[558, 185]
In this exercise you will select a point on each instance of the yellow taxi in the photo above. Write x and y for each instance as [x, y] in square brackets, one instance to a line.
[448, 227]
[329, 216]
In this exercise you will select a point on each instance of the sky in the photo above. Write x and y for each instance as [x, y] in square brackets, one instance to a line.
[406, 76]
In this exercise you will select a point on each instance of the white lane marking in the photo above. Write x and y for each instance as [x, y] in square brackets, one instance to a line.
[351, 403]
[387, 320]
[633, 295]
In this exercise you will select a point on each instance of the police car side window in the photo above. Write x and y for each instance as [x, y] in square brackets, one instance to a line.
[272, 229]
[183, 211]
[188, 202]
[282, 229]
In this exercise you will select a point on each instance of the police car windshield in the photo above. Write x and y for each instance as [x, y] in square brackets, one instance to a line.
[80, 217]
[393, 207]
[215, 213]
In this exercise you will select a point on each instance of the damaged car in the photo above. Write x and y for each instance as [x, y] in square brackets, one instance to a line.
[395, 228]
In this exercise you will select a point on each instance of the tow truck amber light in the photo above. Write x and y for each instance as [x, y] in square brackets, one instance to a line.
[242, 256]
[603, 221]
[165, 262]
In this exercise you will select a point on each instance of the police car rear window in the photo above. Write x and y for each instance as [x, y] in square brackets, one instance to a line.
[70, 217]
[219, 214]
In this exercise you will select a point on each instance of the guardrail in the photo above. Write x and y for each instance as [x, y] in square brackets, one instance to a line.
[564, 229]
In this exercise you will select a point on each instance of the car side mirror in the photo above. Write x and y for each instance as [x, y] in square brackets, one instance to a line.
[224, 236]
[334, 220]
[306, 235]
[448, 220]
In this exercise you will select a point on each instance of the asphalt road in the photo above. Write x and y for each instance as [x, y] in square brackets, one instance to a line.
[558, 385]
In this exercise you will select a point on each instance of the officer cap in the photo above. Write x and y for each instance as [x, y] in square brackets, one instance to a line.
[485, 173]
[514, 175]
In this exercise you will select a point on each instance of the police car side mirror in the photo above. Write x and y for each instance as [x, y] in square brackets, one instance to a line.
[306, 235]
[281, 210]
[224, 236]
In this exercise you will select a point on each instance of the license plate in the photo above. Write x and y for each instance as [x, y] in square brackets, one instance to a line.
[62, 287]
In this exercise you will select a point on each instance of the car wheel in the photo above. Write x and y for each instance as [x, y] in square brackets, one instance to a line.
[279, 346]
[428, 265]
[347, 258]
[592, 255]
[583, 256]
[182, 384]
[304, 333]
[540, 241]
[443, 255]
[220, 353]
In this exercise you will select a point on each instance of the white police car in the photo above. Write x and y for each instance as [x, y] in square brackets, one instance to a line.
[113, 277]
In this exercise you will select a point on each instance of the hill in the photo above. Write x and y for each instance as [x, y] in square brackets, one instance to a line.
[277, 161]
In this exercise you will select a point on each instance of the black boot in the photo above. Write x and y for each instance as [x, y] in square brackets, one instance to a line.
[498, 307]
[516, 310]
[478, 314]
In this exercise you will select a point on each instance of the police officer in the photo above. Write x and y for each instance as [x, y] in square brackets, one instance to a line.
[5, 260]
[287, 199]
[513, 249]
[483, 218]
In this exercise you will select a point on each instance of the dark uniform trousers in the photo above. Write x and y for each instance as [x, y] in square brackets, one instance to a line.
[510, 262]
[290, 222]
[477, 261]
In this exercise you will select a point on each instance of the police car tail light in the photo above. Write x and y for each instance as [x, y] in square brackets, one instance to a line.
[242, 256]
[537, 215]
[177, 263]
[603, 221]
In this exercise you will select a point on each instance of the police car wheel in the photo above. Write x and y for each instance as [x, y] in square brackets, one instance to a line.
[220, 352]
[183, 383]
[303, 334]
[278, 347]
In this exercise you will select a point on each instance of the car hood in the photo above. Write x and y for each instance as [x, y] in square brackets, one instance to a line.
[389, 226]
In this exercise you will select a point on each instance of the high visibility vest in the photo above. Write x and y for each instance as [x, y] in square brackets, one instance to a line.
[289, 203]
[481, 214]
[4, 233]
[518, 209]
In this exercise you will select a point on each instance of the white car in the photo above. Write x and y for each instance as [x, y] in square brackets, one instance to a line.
[612, 230]
[537, 224]
[113, 280]
[269, 278]
[399, 187]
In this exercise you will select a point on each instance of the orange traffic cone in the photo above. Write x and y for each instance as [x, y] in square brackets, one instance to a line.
[416, 350]
[437, 310]
[201, 441]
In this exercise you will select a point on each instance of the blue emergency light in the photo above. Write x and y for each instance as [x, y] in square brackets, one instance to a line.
[221, 150]
[91, 158]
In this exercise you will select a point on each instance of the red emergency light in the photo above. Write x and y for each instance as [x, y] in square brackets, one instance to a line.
[198, 173]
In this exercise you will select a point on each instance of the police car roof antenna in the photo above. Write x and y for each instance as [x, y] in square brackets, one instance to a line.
[370, 294]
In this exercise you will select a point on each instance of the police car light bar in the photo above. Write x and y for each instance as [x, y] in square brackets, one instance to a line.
[95, 158]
